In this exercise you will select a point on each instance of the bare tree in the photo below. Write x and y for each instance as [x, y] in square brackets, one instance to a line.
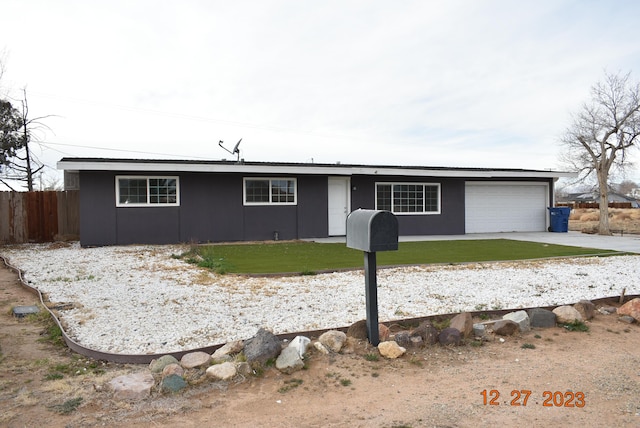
[3, 60]
[626, 187]
[602, 132]
[19, 162]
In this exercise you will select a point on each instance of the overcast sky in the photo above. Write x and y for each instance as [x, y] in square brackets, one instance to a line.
[434, 83]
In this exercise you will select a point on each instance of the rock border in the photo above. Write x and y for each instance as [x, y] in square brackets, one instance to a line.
[236, 360]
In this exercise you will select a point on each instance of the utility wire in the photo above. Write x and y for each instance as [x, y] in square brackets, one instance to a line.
[199, 118]
[45, 143]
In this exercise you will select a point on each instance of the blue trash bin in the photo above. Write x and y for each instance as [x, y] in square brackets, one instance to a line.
[559, 219]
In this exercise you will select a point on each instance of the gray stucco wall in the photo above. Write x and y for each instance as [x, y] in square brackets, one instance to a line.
[313, 210]
[450, 221]
[148, 225]
[97, 209]
[211, 210]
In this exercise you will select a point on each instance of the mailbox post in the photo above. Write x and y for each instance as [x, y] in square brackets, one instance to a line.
[372, 231]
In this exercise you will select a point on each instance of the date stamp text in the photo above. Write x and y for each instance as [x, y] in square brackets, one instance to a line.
[524, 397]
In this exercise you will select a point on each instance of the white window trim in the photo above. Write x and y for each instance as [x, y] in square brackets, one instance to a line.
[438, 185]
[147, 177]
[269, 179]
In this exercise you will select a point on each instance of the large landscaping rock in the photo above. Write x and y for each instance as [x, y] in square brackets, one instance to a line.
[157, 365]
[567, 314]
[427, 332]
[333, 340]
[586, 308]
[521, 318]
[450, 336]
[192, 360]
[542, 318]
[631, 308]
[391, 349]
[479, 330]
[225, 352]
[403, 339]
[223, 371]
[358, 330]
[300, 344]
[173, 383]
[262, 347]
[383, 332]
[289, 360]
[505, 327]
[173, 369]
[136, 386]
[463, 323]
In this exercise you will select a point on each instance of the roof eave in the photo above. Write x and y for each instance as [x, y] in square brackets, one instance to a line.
[298, 169]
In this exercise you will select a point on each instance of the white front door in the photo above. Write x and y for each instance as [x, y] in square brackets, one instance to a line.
[338, 205]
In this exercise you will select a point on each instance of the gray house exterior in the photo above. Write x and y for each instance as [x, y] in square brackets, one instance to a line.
[132, 201]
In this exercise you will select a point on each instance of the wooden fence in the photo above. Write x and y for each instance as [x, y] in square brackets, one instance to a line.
[39, 216]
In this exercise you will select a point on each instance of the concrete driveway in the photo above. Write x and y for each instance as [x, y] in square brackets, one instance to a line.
[627, 243]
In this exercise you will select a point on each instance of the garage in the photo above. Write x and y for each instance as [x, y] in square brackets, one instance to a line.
[506, 207]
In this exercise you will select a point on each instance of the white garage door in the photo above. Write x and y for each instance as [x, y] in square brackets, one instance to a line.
[505, 207]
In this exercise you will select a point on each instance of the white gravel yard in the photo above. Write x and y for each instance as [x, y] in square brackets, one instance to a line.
[140, 300]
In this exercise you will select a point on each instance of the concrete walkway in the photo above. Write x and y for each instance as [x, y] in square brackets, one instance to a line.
[627, 243]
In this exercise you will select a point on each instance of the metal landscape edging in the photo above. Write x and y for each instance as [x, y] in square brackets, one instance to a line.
[147, 358]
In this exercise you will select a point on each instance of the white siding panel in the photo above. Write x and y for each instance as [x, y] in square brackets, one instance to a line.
[505, 207]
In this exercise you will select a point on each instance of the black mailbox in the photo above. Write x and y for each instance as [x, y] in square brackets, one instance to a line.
[372, 230]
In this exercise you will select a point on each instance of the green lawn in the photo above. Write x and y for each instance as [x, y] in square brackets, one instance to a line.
[311, 257]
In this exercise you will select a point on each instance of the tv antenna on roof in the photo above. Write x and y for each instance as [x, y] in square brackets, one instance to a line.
[235, 150]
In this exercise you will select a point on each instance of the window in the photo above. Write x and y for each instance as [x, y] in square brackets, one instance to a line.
[147, 191]
[268, 191]
[408, 198]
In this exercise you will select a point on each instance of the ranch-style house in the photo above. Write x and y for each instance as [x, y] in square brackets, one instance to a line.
[139, 201]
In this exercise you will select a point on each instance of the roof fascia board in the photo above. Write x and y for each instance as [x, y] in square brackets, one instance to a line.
[88, 165]
[203, 167]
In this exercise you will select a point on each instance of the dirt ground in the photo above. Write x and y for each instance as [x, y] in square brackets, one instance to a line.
[621, 220]
[575, 379]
